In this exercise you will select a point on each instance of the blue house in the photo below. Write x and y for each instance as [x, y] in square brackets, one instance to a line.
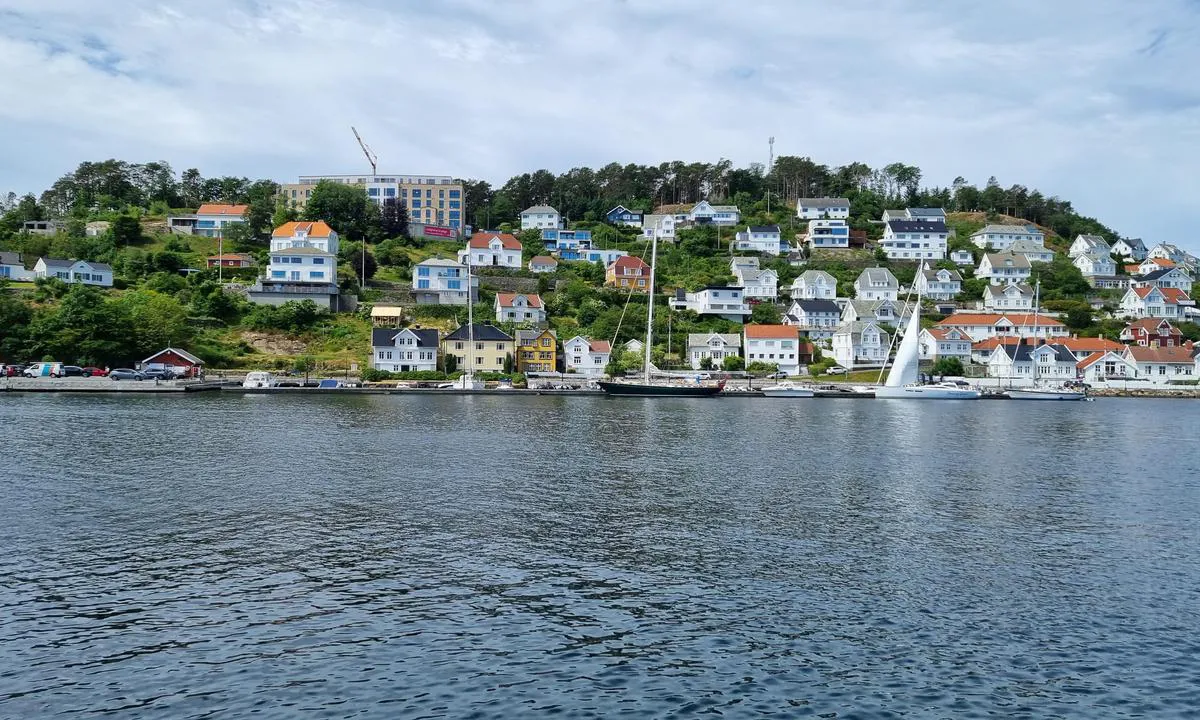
[567, 244]
[620, 215]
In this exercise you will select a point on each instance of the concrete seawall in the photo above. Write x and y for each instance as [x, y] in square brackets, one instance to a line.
[103, 385]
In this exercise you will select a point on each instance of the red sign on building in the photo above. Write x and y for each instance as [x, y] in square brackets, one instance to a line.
[433, 231]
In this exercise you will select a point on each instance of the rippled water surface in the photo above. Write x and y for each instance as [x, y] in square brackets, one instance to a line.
[405, 557]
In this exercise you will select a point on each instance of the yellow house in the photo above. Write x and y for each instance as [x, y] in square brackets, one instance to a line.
[628, 273]
[537, 351]
[483, 348]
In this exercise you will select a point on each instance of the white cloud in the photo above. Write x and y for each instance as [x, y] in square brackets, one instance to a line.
[1089, 101]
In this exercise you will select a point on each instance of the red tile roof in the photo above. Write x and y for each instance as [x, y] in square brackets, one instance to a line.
[482, 240]
[543, 260]
[629, 262]
[978, 319]
[506, 299]
[600, 345]
[1161, 355]
[1171, 295]
[222, 209]
[942, 333]
[314, 229]
[773, 332]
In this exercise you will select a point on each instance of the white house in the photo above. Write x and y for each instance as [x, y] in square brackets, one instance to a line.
[1092, 265]
[1089, 245]
[814, 285]
[438, 281]
[828, 234]
[213, 218]
[937, 215]
[716, 346]
[937, 343]
[586, 357]
[660, 226]
[1167, 251]
[543, 264]
[962, 257]
[914, 240]
[1155, 302]
[540, 216]
[1012, 296]
[1000, 237]
[704, 213]
[303, 252]
[1105, 367]
[520, 308]
[860, 344]
[492, 249]
[74, 271]
[876, 284]
[777, 344]
[758, 238]
[1032, 250]
[1168, 277]
[725, 302]
[404, 350]
[983, 326]
[818, 208]
[12, 267]
[1131, 248]
[758, 283]
[999, 268]
[1161, 365]
[938, 283]
[815, 319]
[1017, 361]
[883, 312]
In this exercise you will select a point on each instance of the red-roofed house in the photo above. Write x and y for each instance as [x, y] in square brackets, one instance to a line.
[586, 357]
[520, 308]
[1155, 302]
[233, 260]
[210, 220]
[981, 326]
[937, 343]
[1161, 365]
[1152, 331]
[492, 249]
[1102, 367]
[628, 272]
[776, 344]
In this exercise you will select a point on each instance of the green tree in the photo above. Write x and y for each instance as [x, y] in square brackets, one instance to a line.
[947, 366]
[449, 363]
[732, 363]
[765, 313]
[86, 328]
[346, 208]
[304, 364]
[393, 219]
[284, 213]
[762, 368]
[706, 363]
[261, 201]
[158, 320]
[14, 326]
[239, 237]
[126, 230]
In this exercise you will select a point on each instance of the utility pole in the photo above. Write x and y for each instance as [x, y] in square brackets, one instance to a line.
[770, 162]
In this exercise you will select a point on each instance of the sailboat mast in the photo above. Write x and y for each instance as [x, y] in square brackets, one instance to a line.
[1037, 294]
[470, 317]
[650, 314]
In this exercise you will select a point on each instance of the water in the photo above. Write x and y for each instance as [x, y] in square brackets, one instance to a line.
[480, 557]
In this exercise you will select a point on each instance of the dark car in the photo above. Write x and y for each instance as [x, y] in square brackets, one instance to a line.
[159, 374]
[73, 371]
[127, 374]
[94, 372]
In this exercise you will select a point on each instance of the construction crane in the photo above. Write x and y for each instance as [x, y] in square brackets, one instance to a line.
[366, 151]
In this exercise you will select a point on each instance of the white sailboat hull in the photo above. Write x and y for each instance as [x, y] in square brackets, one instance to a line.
[1046, 394]
[926, 392]
[787, 391]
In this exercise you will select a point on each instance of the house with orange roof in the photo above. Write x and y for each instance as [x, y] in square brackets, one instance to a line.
[981, 326]
[1152, 331]
[1170, 277]
[776, 344]
[1156, 302]
[1105, 367]
[209, 220]
[1162, 365]
[520, 308]
[302, 266]
[492, 249]
[543, 264]
[586, 356]
[936, 343]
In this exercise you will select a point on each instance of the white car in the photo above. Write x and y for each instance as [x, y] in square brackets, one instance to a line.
[836, 370]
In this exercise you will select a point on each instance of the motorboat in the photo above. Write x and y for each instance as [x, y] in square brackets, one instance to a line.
[932, 391]
[787, 389]
[260, 380]
[1046, 393]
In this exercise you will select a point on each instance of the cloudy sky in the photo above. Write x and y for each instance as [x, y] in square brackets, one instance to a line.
[1093, 100]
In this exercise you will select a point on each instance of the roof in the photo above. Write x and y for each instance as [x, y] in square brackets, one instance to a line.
[818, 306]
[1028, 245]
[312, 229]
[1161, 262]
[1000, 290]
[543, 260]
[382, 337]
[1161, 355]
[181, 353]
[811, 276]
[724, 208]
[439, 262]
[1006, 259]
[1085, 345]
[630, 262]
[1133, 243]
[823, 202]
[1171, 295]
[53, 262]
[102, 267]
[593, 345]
[871, 307]
[480, 332]
[943, 334]
[909, 226]
[231, 256]
[482, 240]
[763, 228]
[927, 212]
[1006, 230]
[932, 273]
[507, 299]
[1149, 324]
[1023, 352]
[676, 209]
[1155, 274]
[10, 258]
[386, 311]
[855, 328]
[781, 332]
[539, 209]
[698, 339]
[1093, 240]
[988, 319]
[878, 274]
[527, 336]
[222, 209]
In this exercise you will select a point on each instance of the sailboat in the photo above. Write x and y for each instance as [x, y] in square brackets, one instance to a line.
[902, 378]
[646, 388]
[467, 380]
[1042, 391]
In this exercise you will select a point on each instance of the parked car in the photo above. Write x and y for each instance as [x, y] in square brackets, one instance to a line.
[161, 374]
[127, 374]
[777, 375]
[11, 370]
[44, 369]
[73, 371]
[94, 372]
[836, 370]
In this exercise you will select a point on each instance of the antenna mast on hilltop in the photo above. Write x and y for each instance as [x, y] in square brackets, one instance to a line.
[366, 151]
[770, 162]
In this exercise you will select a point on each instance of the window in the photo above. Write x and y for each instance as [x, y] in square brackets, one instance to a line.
[318, 261]
[479, 346]
[279, 260]
[500, 347]
[422, 272]
[278, 274]
[297, 261]
[316, 274]
[454, 284]
[422, 284]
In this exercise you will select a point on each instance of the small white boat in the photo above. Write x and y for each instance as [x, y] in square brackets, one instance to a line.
[787, 389]
[260, 380]
[1046, 393]
[467, 381]
[934, 391]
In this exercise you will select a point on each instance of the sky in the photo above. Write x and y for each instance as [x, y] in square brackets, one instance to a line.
[1095, 101]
